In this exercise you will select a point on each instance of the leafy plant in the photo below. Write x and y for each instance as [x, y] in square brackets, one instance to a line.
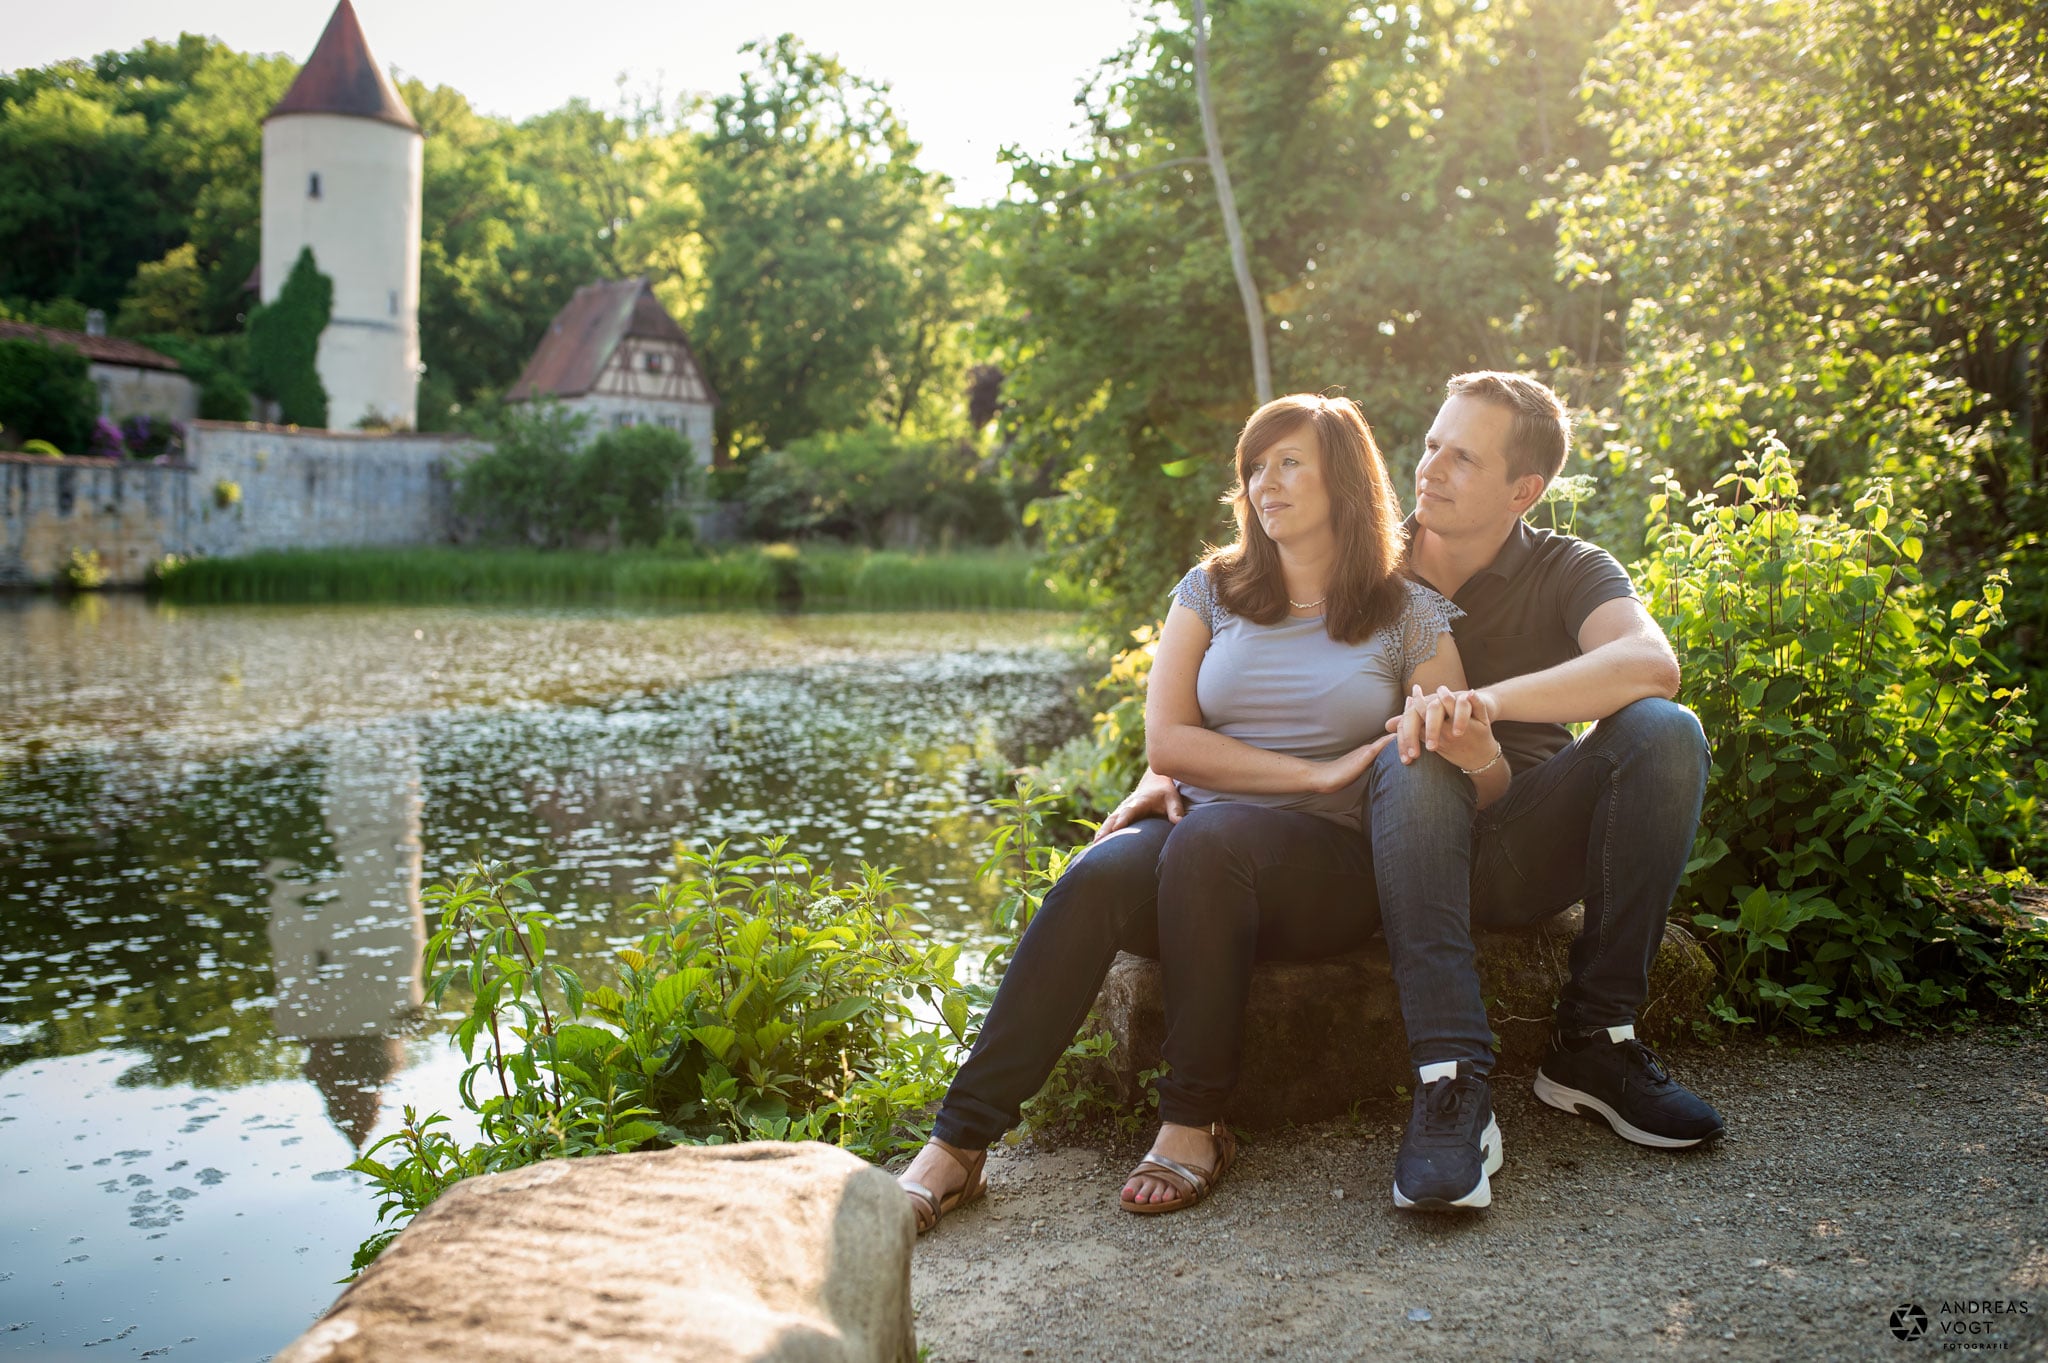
[1092, 771]
[871, 486]
[764, 1001]
[84, 571]
[543, 482]
[1866, 767]
[227, 494]
[284, 343]
[46, 394]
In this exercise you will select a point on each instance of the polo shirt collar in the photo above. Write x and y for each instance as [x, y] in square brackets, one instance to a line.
[1513, 555]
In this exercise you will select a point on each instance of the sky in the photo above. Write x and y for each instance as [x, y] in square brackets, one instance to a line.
[967, 78]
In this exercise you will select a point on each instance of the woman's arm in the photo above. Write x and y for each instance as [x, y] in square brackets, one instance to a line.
[1178, 745]
[1475, 748]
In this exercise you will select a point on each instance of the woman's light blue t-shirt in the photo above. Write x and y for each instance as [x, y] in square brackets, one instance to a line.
[1290, 688]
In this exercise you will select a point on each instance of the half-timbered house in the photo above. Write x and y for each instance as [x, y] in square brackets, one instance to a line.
[615, 354]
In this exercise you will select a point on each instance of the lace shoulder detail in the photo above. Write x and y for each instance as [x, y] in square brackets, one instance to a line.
[1428, 616]
[1198, 594]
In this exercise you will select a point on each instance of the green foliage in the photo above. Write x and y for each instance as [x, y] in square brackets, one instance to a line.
[874, 485]
[284, 342]
[1866, 769]
[1092, 771]
[1386, 163]
[630, 486]
[46, 393]
[541, 483]
[84, 571]
[513, 490]
[815, 220]
[1824, 218]
[764, 1002]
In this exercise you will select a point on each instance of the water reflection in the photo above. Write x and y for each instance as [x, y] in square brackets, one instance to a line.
[345, 944]
[214, 828]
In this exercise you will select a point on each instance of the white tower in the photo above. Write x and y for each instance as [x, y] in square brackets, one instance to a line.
[341, 174]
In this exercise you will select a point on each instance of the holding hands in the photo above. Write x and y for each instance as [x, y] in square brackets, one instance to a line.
[1456, 724]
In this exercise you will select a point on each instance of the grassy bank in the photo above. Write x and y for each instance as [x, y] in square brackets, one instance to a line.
[753, 576]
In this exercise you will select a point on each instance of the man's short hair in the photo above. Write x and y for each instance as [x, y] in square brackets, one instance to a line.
[1543, 424]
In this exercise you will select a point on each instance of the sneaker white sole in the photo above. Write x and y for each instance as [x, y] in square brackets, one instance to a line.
[1574, 1101]
[1491, 1157]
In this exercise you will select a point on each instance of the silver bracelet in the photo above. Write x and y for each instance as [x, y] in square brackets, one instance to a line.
[1498, 753]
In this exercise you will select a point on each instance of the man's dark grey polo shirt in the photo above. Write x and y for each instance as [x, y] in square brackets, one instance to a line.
[1522, 614]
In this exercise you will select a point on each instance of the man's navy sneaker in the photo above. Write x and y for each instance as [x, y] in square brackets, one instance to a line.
[1452, 1146]
[1612, 1075]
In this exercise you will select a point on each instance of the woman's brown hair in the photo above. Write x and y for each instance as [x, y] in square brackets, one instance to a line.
[1367, 592]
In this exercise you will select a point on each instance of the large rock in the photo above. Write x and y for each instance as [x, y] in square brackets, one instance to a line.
[1321, 1036]
[797, 1253]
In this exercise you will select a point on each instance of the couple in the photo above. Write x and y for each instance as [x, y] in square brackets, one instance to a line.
[1356, 724]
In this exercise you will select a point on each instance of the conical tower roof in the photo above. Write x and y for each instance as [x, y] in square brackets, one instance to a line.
[341, 77]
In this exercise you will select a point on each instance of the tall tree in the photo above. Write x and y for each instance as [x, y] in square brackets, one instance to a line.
[1387, 163]
[813, 210]
[1829, 215]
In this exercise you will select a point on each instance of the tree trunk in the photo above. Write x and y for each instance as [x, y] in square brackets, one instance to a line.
[2039, 415]
[1254, 309]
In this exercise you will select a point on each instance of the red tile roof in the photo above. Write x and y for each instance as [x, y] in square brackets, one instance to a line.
[104, 349]
[341, 77]
[581, 339]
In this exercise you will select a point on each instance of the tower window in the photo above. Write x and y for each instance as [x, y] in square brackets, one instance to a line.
[313, 185]
[394, 302]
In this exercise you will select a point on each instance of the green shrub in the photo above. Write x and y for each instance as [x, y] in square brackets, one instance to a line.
[284, 344]
[764, 1002]
[47, 393]
[869, 486]
[1092, 771]
[514, 491]
[630, 485]
[84, 571]
[1866, 777]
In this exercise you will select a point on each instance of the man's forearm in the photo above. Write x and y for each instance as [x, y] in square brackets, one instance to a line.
[1591, 686]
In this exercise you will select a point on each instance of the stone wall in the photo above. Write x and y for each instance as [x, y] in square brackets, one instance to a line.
[294, 489]
[126, 391]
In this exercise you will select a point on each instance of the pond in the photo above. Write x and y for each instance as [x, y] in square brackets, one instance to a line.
[214, 828]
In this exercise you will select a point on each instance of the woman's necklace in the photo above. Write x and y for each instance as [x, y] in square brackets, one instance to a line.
[1308, 605]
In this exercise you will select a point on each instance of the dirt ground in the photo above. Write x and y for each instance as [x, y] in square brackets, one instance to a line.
[1857, 1177]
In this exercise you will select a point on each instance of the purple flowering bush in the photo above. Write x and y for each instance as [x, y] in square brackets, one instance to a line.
[107, 441]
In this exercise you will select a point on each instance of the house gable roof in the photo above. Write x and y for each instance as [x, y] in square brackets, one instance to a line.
[580, 341]
[341, 77]
[98, 349]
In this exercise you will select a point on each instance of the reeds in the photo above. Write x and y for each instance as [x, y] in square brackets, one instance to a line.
[758, 576]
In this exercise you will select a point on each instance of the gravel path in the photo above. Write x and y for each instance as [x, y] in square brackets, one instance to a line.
[1857, 1177]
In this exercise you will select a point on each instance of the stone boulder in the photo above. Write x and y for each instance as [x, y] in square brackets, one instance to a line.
[795, 1253]
[1321, 1036]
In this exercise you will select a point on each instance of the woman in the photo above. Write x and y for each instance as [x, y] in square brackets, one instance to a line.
[1282, 658]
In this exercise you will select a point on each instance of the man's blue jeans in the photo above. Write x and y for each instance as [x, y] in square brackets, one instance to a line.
[1610, 820]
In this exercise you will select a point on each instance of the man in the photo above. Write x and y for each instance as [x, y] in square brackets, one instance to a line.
[1552, 635]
